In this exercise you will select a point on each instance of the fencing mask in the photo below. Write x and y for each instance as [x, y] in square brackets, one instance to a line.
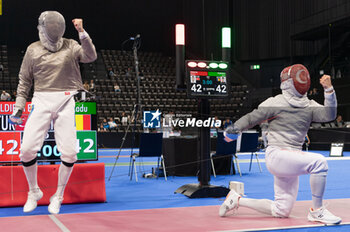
[300, 77]
[51, 29]
[295, 82]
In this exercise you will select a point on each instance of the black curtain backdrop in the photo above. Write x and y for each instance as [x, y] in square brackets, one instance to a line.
[110, 22]
[261, 29]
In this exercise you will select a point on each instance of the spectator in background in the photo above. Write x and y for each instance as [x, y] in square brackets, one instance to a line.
[310, 93]
[14, 95]
[1, 68]
[111, 74]
[125, 119]
[92, 85]
[5, 96]
[86, 86]
[227, 123]
[101, 128]
[141, 75]
[339, 121]
[105, 124]
[264, 126]
[112, 124]
[128, 72]
[216, 119]
[116, 88]
[313, 92]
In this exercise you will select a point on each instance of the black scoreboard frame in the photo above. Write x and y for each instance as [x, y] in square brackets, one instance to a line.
[207, 68]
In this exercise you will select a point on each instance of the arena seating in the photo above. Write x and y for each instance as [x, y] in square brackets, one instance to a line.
[157, 85]
[6, 83]
[157, 88]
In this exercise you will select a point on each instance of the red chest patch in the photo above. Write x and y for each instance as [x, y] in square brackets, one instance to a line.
[66, 93]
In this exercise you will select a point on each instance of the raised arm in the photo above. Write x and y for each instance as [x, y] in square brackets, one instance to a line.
[328, 111]
[86, 52]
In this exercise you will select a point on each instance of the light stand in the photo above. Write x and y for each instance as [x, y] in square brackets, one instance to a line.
[137, 106]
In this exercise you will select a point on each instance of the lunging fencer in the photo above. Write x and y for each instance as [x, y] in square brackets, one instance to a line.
[289, 117]
[53, 64]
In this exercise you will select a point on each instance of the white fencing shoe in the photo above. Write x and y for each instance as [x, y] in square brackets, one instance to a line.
[55, 204]
[231, 203]
[32, 200]
[323, 215]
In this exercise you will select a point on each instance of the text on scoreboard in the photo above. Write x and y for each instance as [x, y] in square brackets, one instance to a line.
[86, 125]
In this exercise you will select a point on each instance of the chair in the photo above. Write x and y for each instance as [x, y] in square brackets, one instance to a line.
[224, 148]
[150, 146]
[248, 142]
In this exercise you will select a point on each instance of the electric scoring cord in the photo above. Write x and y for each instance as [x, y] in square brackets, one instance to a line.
[120, 175]
[12, 191]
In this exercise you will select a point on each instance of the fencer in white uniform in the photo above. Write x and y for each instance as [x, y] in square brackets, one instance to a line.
[289, 117]
[53, 64]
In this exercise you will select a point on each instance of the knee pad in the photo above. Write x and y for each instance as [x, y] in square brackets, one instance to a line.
[320, 166]
[71, 158]
[67, 164]
[28, 154]
[30, 163]
[281, 211]
[283, 207]
[323, 173]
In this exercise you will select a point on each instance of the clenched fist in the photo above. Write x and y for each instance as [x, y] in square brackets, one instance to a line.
[78, 24]
[325, 81]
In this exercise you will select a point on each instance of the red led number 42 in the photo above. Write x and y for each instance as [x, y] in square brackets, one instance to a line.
[9, 146]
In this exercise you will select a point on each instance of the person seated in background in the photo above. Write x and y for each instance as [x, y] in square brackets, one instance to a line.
[116, 88]
[227, 123]
[128, 72]
[101, 128]
[5, 96]
[141, 75]
[264, 126]
[112, 124]
[86, 86]
[216, 119]
[307, 142]
[111, 74]
[92, 85]
[14, 95]
[339, 121]
[125, 119]
[105, 124]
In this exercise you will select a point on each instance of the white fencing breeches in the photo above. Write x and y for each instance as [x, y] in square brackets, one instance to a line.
[58, 107]
[286, 166]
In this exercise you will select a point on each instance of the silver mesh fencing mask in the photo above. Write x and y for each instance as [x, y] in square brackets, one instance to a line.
[51, 29]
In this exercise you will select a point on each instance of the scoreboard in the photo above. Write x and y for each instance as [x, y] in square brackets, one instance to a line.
[11, 135]
[207, 79]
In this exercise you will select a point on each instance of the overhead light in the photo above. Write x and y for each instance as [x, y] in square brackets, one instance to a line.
[223, 66]
[180, 34]
[202, 65]
[213, 65]
[192, 64]
[226, 37]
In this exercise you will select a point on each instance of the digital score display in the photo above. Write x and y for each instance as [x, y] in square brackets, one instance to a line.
[207, 79]
[86, 125]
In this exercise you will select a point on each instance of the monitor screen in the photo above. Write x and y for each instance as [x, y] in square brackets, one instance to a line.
[207, 79]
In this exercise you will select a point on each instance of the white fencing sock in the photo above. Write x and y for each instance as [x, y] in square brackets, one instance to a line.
[63, 177]
[31, 175]
[260, 205]
[318, 184]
